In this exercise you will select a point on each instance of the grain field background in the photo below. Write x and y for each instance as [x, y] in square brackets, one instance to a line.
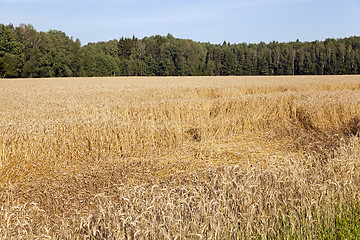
[180, 158]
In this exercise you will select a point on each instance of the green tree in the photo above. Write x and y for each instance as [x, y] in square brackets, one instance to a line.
[11, 52]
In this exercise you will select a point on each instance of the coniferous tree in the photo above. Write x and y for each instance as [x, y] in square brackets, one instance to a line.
[24, 52]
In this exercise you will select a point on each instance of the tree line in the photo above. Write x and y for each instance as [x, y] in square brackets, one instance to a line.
[25, 52]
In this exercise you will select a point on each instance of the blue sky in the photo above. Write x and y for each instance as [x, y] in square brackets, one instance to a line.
[212, 21]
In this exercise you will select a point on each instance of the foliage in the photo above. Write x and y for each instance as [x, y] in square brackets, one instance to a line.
[24, 52]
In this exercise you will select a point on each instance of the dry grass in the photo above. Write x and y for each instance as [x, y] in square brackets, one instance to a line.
[185, 158]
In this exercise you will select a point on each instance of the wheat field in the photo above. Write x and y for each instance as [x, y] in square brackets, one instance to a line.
[180, 158]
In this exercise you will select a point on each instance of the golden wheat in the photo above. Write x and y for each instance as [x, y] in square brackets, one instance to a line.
[166, 158]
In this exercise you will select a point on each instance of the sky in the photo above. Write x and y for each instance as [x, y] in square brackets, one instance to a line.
[249, 21]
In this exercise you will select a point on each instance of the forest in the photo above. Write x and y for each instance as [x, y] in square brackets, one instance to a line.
[28, 53]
